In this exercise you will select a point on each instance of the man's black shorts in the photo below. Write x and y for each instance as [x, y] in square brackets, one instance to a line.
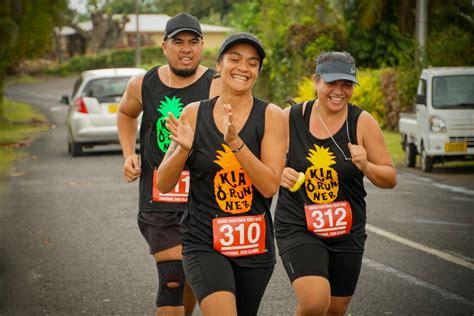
[160, 229]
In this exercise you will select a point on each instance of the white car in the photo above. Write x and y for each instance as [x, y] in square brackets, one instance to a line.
[93, 104]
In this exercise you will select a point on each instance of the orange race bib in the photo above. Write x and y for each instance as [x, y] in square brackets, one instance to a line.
[237, 236]
[178, 195]
[329, 220]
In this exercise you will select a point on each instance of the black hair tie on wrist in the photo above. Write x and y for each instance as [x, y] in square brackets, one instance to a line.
[238, 149]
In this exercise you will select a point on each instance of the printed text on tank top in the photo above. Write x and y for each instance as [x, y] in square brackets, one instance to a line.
[326, 218]
[235, 236]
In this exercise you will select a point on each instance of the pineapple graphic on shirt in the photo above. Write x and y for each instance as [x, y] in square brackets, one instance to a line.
[173, 105]
[322, 183]
[232, 187]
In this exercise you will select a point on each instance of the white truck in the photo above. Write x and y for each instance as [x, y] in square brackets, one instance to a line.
[442, 128]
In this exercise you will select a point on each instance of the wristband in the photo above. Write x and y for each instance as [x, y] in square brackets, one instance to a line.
[238, 149]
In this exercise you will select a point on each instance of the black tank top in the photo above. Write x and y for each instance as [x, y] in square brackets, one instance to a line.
[211, 170]
[158, 99]
[327, 162]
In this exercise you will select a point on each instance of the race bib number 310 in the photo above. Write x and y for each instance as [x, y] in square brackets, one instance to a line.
[178, 195]
[329, 220]
[237, 236]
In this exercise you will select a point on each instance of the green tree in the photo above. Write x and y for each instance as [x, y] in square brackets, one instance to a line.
[293, 34]
[451, 33]
[381, 32]
[26, 30]
[210, 11]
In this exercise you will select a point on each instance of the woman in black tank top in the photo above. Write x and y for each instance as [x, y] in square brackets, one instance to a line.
[320, 215]
[234, 146]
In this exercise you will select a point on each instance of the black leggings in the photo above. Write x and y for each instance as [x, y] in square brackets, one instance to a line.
[210, 272]
[341, 269]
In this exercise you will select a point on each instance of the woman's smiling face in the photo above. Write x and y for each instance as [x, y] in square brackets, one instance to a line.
[336, 94]
[239, 67]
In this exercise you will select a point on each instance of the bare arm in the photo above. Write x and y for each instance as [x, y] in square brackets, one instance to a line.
[215, 88]
[182, 136]
[265, 173]
[128, 112]
[371, 156]
[290, 175]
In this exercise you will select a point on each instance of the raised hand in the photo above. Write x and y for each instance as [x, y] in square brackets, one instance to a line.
[181, 131]
[230, 134]
[359, 156]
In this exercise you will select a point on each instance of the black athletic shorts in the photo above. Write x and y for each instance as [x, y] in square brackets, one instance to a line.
[210, 272]
[341, 269]
[160, 229]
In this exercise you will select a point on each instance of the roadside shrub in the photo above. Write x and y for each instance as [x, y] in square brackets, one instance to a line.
[120, 58]
[305, 90]
[368, 95]
[398, 87]
[150, 56]
[384, 93]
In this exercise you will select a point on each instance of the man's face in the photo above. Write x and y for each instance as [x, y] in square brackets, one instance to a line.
[183, 52]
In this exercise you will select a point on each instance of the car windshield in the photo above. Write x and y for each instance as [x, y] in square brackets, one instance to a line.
[106, 89]
[453, 92]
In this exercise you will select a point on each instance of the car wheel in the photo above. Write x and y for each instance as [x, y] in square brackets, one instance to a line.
[75, 149]
[426, 161]
[410, 154]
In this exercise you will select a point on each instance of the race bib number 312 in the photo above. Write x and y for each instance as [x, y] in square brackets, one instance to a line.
[237, 236]
[329, 220]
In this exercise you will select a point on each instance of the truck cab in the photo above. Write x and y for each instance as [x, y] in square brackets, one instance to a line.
[442, 128]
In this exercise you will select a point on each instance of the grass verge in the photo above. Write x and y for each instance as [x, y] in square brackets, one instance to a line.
[392, 139]
[17, 128]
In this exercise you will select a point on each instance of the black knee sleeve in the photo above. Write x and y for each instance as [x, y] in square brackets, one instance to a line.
[170, 272]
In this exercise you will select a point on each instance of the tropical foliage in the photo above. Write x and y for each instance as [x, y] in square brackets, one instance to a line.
[26, 29]
[379, 34]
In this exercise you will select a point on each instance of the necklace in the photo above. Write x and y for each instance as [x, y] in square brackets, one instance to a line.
[332, 138]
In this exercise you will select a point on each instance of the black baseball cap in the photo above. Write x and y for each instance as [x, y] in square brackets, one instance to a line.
[332, 71]
[243, 37]
[182, 22]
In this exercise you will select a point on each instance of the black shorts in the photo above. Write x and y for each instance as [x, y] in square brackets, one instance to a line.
[160, 229]
[210, 272]
[341, 269]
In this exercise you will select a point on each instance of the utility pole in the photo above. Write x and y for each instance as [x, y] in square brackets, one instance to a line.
[421, 31]
[138, 55]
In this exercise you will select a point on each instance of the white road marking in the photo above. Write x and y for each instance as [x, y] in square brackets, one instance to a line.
[454, 188]
[413, 244]
[416, 281]
[446, 187]
[427, 221]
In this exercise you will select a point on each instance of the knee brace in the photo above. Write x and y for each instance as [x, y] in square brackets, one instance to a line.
[170, 294]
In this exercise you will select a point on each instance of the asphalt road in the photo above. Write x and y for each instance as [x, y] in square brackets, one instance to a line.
[69, 243]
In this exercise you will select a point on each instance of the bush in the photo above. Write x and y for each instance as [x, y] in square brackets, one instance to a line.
[306, 90]
[368, 94]
[384, 93]
[443, 51]
[150, 56]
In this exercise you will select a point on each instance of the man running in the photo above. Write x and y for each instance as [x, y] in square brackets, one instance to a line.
[162, 90]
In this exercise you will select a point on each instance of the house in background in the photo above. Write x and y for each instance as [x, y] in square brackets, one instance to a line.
[151, 28]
